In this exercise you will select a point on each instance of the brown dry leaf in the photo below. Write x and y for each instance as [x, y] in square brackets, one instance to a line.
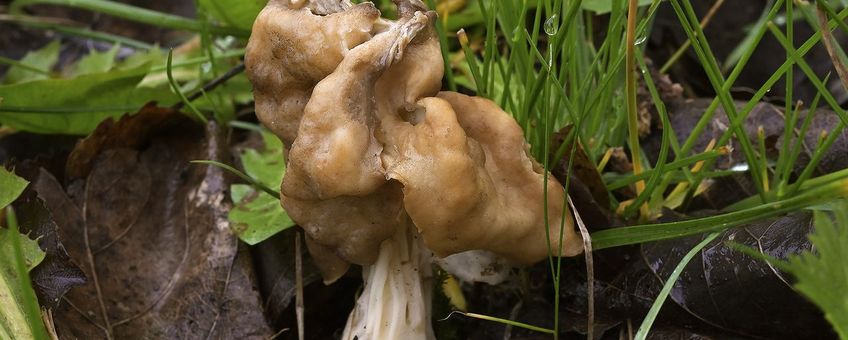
[150, 231]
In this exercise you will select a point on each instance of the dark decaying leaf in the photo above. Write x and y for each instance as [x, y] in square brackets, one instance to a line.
[150, 230]
[722, 294]
[726, 190]
[57, 274]
[727, 43]
[585, 185]
[721, 290]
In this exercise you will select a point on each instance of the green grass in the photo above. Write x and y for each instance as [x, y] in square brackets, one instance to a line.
[566, 78]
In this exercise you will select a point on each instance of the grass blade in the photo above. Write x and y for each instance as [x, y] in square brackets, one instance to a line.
[642, 334]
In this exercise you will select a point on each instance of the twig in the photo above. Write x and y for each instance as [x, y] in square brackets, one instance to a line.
[590, 270]
[83, 313]
[704, 22]
[47, 317]
[298, 268]
[90, 257]
[632, 110]
[827, 39]
[211, 85]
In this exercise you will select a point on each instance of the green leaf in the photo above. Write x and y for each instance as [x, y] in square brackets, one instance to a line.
[97, 62]
[236, 13]
[257, 215]
[268, 166]
[604, 6]
[823, 276]
[648, 322]
[42, 59]
[76, 105]
[20, 316]
[11, 187]
[32, 254]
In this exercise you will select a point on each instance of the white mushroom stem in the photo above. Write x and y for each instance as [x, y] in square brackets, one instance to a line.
[395, 301]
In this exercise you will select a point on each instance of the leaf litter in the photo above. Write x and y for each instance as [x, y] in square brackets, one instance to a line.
[150, 231]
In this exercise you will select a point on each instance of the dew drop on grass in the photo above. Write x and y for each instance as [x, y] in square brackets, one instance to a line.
[641, 40]
[516, 34]
[550, 26]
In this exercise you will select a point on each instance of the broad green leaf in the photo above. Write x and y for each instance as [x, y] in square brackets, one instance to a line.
[605, 6]
[11, 187]
[42, 59]
[76, 105]
[20, 316]
[237, 13]
[96, 62]
[257, 215]
[268, 166]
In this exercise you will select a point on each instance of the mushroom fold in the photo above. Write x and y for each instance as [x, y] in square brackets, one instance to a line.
[295, 44]
[470, 183]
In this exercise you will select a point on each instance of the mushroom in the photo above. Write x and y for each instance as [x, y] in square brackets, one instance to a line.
[293, 45]
[383, 170]
[470, 183]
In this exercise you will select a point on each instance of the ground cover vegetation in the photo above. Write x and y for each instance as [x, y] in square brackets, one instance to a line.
[701, 145]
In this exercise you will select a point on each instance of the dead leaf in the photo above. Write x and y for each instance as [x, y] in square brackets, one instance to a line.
[57, 274]
[720, 291]
[726, 190]
[150, 230]
[585, 184]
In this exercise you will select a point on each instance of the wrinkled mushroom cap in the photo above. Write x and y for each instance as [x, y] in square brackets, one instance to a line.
[335, 186]
[372, 141]
[294, 45]
[469, 182]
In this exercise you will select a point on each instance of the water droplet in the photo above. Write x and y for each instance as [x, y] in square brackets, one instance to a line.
[206, 67]
[516, 34]
[551, 27]
[640, 40]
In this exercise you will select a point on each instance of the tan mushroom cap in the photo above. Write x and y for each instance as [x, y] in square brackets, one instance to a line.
[469, 182]
[335, 186]
[336, 152]
[294, 45]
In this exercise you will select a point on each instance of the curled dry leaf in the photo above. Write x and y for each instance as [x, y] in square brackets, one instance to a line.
[150, 230]
[57, 274]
